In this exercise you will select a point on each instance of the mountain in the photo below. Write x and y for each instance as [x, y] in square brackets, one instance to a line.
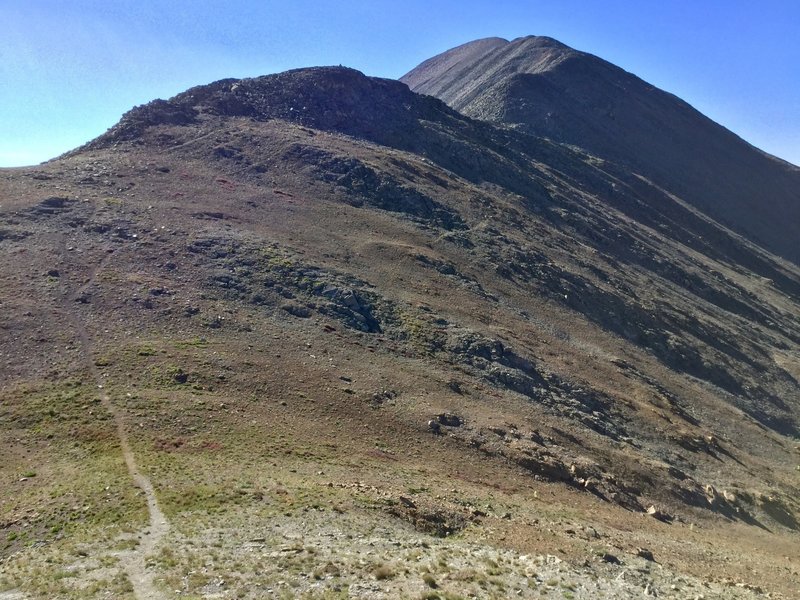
[542, 87]
[314, 333]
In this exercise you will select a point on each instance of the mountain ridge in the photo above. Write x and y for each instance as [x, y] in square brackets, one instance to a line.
[344, 101]
[321, 307]
[576, 98]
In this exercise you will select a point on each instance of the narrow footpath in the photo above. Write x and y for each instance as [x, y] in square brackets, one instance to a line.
[133, 561]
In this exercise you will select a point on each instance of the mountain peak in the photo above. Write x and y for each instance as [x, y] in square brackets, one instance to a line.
[461, 76]
[539, 41]
[545, 88]
[329, 98]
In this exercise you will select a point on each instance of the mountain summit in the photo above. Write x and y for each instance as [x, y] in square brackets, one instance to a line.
[547, 89]
[327, 98]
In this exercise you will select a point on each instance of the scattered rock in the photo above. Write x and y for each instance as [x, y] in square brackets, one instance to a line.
[456, 386]
[53, 205]
[179, 376]
[297, 310]
[382, 397]
[408, 502]
[658, 514]
[645, 554]
[449, 420]
[497, 430]
[610, 558]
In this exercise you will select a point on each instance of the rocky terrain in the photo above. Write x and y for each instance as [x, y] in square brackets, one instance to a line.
[316, 335]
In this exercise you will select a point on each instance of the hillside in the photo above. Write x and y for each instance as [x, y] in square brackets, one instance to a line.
[545, 88]
[315, 335]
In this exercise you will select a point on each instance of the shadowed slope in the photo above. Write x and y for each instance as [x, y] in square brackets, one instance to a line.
[548, 89]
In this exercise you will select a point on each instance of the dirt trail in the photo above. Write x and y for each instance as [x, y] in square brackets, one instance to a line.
[134, 561]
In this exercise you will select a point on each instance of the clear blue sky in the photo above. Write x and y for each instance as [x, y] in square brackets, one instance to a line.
[70, 68]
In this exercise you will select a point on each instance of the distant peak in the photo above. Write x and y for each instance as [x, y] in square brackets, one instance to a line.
[464, 54]
[462, 73]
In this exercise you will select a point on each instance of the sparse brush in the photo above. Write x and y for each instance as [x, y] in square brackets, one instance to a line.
[383, 572]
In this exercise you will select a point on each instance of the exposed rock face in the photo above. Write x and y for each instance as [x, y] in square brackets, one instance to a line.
[547, 89]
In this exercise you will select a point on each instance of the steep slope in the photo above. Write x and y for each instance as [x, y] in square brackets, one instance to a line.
[361, 344]
[548, 89]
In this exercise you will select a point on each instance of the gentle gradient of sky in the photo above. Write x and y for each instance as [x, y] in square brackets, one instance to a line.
[70, 68]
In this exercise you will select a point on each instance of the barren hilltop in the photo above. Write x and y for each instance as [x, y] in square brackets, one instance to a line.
[318, 335]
